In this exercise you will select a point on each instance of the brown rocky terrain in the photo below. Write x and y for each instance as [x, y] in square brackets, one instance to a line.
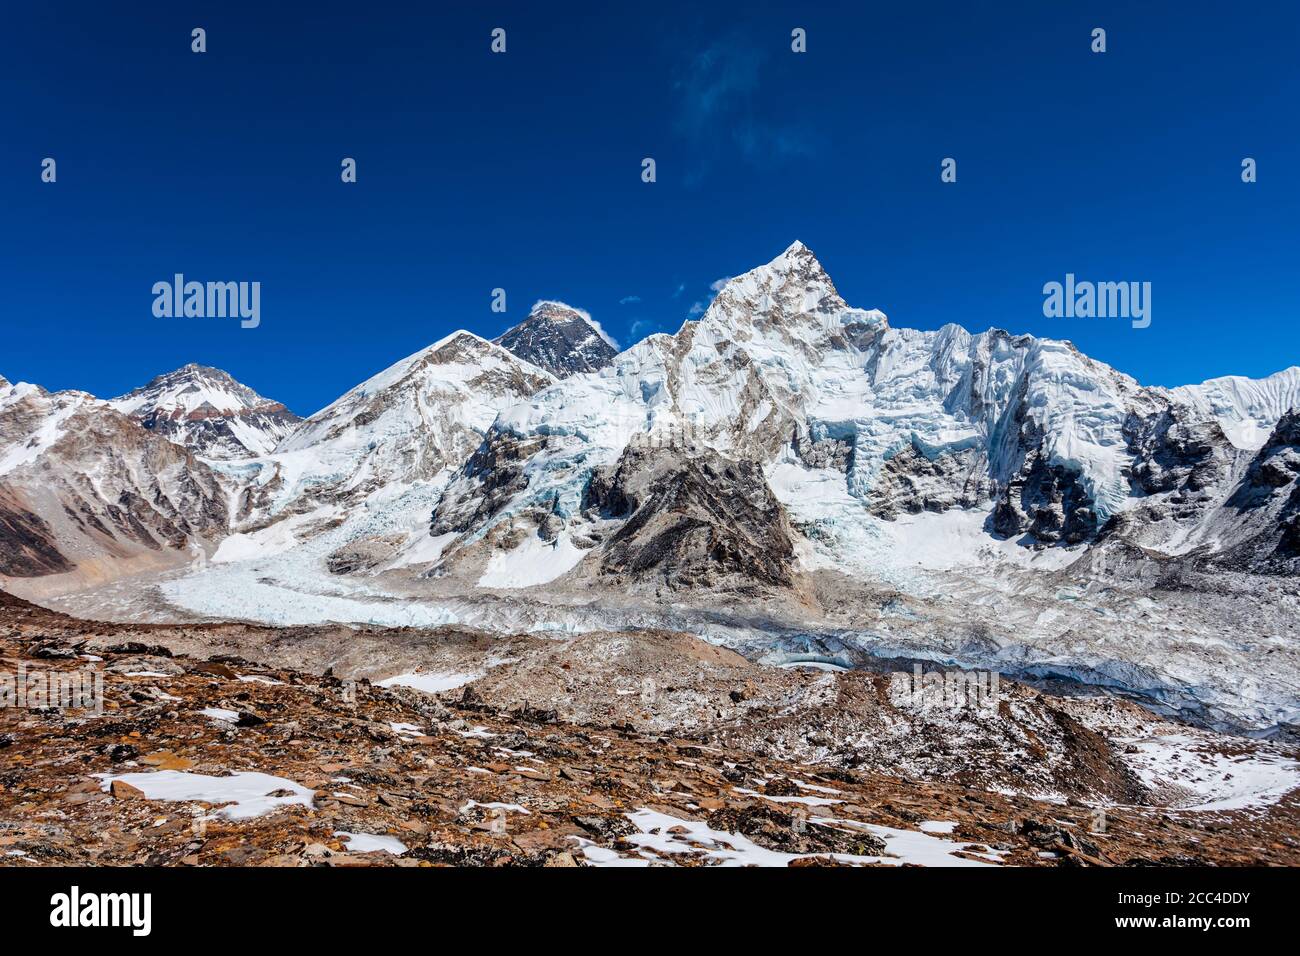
[693, 756]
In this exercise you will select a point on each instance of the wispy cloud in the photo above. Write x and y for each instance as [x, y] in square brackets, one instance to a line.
[700, 306]
[681, 287]
[629, 300]
[641, 327]
[722, 115]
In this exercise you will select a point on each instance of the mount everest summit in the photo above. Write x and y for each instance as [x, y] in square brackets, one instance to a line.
[561, 339]
[787, 474]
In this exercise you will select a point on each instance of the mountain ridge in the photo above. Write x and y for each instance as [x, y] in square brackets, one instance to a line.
[785, 462]
[207, 410]
[778, 360]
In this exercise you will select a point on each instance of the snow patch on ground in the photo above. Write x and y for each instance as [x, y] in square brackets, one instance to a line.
[664, 837]
[220, 713]
[247, 793]
[371, 842]
[1211, 780]
[431, 683]
[936, 826]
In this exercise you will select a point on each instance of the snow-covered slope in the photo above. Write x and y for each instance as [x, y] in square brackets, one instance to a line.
[410, 423]
[209, 412]
[1246, 408]
[33, 420]
[1257, 528]
[1050, 446]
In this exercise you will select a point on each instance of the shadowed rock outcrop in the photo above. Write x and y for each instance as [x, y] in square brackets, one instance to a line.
[693, 519]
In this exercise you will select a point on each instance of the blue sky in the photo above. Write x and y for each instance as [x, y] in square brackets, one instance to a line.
[522, 171]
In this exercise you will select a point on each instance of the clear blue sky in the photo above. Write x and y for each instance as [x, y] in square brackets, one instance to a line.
[522, 171]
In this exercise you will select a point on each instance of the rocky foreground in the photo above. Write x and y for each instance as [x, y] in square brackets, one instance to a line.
[618, 749]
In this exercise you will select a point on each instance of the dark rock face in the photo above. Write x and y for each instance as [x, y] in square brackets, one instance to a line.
[1050, 503]
[487, 482]
[258, 497]
[27, 548]
[912, 481]
[1261, 518]
[824, 453]
[1181, 460]
[1046, 501]
[1277, 460]
[693, 520]
[358, 556]
[560, 340]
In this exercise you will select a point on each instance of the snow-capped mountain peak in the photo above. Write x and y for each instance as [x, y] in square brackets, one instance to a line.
[461, 360]
[797, 271]
[206, 410]
[793, 301]
[1049, 444]
[32, 420]
[189, 389]
[15, 391]
[561, 339]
